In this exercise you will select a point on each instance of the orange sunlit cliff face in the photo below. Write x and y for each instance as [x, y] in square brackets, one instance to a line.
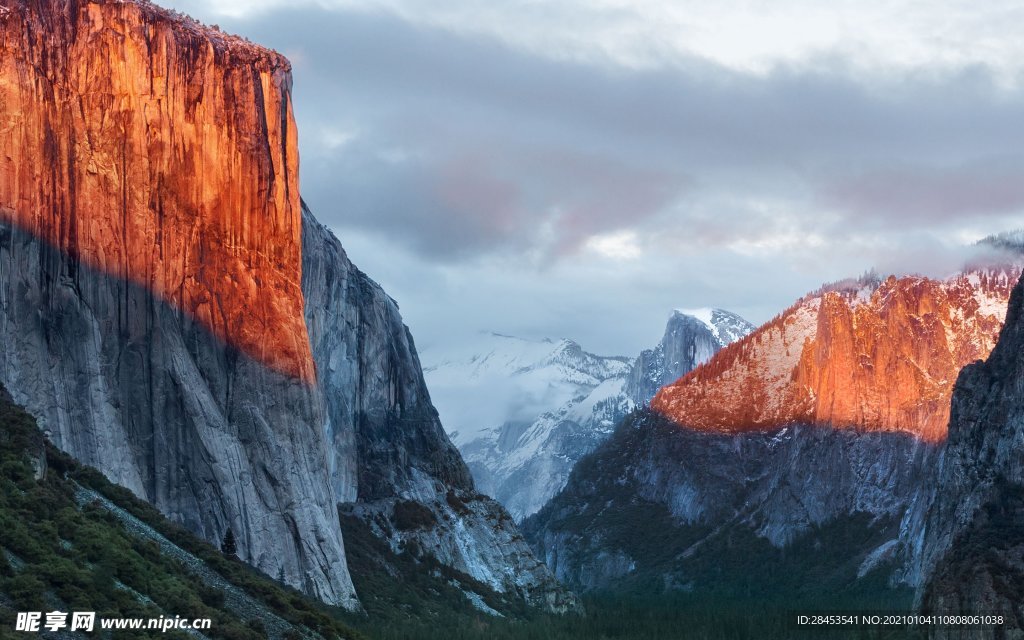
[161, 152]
[850, 358]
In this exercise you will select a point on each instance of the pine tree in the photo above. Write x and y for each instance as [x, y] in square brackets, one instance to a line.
[227, 546]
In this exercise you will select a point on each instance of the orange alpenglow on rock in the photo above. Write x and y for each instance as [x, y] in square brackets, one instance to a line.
[860, 357]
[162, 152]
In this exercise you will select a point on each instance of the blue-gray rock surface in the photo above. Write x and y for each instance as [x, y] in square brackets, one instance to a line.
[704, 489]
[970, 549]
[387, 446]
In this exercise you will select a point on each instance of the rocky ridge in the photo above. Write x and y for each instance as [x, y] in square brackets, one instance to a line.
[867, 355]
[970, 549]
[550, 403]
[696, 491]
[782, 436]
[392, 464]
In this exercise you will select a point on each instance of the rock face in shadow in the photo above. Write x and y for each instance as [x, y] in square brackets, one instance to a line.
[775, 487]
[385, 434]
[151, 246]
[392, 465]
[133, 386]
[972, 543]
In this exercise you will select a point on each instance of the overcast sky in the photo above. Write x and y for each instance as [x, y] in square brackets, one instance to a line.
[578, 169]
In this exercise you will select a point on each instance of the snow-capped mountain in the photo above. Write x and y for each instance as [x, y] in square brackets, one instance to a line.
[726, 326]
[523, 412]
[499, 381]
[871, 355]
[691, 338]
[830, 417]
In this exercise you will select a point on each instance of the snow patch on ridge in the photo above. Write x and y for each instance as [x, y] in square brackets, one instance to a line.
[727, 327]
[703, 314]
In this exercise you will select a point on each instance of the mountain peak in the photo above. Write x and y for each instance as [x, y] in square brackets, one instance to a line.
[524, 416]
[726, 326]
[703, 314]
[864, 353]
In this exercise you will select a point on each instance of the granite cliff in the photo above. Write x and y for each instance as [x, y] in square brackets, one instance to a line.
[163, 153]
[866, 355]
[152, 307]
[691, 338]
[392, 466]
[971, 545]
[173, 316]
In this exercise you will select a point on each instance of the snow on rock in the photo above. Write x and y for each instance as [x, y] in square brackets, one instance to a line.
[866, 353]
[523, 412]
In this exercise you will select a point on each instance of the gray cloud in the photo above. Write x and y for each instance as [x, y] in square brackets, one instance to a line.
[469, 176]
[480, 135]
[477, 200]
[927, 195]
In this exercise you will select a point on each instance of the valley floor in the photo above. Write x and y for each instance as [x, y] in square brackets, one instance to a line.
[682, 617]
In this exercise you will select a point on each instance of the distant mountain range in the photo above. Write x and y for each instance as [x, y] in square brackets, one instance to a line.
[523, 412]
[804, 449]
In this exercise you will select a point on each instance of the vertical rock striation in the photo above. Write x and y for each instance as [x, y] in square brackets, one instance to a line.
[867, 355]
[162, 153]
[174, 317]
[150, 295]
[972, 542]
[389, 453]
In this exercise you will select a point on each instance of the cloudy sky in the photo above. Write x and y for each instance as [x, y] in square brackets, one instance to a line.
[579, 168]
